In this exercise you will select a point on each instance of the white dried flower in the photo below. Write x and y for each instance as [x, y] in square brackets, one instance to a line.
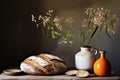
[33, 18]
[98, 20]
[49, 13]
[69, 20]
[57, 19]
[40, 17]
[45, 20]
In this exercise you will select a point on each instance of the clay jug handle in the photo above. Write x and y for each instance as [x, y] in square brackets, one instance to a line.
[94, 49]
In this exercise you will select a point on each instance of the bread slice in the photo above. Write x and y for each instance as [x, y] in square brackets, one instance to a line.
[82, 73]
[71, 72]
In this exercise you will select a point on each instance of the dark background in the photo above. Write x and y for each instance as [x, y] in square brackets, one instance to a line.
[19, 38]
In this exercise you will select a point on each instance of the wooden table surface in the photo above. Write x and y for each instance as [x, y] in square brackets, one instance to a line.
[55, 77]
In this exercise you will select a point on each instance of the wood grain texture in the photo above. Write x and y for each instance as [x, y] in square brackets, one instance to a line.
[56, 77]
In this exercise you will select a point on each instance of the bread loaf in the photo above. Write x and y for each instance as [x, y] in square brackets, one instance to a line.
[43, 64]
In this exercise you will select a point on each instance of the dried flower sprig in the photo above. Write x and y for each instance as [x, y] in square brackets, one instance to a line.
[58, 26]
[98, 20]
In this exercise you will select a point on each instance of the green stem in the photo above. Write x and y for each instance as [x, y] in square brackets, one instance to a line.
[87, 33]
[107, 32]
[82, 36]
[92, 35]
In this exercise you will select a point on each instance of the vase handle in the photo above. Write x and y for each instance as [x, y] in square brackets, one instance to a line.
[94, 49]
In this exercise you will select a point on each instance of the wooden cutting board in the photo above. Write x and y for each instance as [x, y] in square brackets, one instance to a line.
[56, 77]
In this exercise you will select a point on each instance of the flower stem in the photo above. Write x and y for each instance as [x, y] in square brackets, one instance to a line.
[92, 35]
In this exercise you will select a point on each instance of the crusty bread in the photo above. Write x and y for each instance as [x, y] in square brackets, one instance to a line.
[43, 64]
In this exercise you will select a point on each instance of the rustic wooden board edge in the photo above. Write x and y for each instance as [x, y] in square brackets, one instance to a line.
[56, 77]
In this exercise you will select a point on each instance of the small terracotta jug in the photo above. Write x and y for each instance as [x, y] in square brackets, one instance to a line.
[102, 66]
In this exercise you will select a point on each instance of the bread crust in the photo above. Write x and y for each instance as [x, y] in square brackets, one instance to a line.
[44, 64]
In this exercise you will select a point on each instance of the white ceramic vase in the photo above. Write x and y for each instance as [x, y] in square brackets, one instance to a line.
[85, 58]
